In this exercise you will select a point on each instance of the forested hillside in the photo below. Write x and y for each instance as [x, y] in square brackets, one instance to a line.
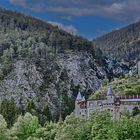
[123, 44]
[42, 68]
[99, 126]
[42, 31]
[129, 85]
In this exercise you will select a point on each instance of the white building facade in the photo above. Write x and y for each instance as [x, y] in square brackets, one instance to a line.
[114, 105]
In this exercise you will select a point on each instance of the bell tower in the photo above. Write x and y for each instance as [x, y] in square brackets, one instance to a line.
[77, 104]
[109, 92]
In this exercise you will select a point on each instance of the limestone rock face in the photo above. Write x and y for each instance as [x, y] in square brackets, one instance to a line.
[44, 82]
[41, 63]
[80, 71]
[22, 83]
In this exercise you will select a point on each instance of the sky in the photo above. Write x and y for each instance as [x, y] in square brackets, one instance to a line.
[89, 18]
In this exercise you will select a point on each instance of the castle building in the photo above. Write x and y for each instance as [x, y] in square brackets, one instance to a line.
[115, 105]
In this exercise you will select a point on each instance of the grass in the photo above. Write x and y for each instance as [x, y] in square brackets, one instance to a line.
[125, 86]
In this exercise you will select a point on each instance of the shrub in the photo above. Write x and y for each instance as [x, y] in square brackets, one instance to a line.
[25, 126]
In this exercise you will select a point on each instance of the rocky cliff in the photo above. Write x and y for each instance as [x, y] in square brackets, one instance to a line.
[42, 68]
[46, 83]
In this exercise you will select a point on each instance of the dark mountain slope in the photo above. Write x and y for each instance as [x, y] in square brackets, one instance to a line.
[122, 44]
[42, 68]
[51, 35]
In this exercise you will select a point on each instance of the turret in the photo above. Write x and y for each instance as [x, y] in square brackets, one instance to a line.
[77, 104]
[79, 97]
[110, 92]
[81, 106]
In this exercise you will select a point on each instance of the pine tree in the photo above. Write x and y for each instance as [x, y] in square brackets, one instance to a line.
[10, 111]
[30, 107]
[135, 111]
[47, 113]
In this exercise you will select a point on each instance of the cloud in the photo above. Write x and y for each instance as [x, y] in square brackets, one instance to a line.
[31, 5]
[127, 10]
[68, 28]
[22, 3]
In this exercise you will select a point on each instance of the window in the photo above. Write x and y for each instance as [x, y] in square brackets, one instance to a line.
[90, 104]
[99, 103]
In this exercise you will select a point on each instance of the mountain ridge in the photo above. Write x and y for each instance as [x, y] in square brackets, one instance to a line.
[123, 44]
[42, 68]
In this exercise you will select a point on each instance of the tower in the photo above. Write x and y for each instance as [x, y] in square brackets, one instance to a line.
[110, 96]
[77, 104]
[81, 106]
[79, 97]
[110, 92]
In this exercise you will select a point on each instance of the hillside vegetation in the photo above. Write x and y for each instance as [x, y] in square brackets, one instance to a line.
[42, 68]
[129, 85]
[99, 126]
[123, 44]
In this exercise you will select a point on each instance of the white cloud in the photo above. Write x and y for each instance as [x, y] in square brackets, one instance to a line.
[68, 28]
[22, 3]
[34, 6]
[127, 10]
